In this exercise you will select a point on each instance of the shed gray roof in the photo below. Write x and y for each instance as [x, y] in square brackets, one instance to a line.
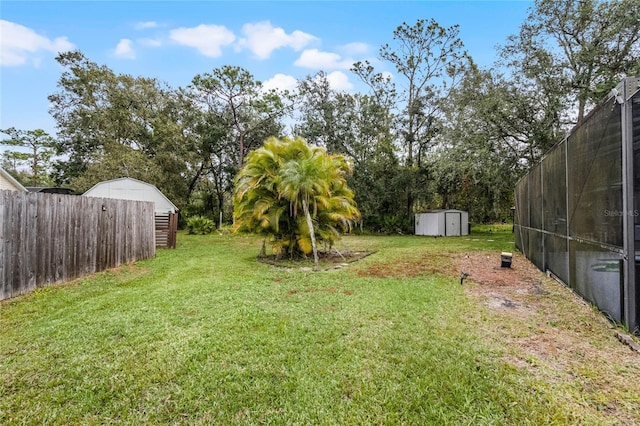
[50, 190]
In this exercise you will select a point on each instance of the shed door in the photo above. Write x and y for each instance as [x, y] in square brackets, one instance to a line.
[452, 223]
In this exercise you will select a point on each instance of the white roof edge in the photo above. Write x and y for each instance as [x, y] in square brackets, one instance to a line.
[137, 180]
[116, 179]
[12, 180]
[443, 211]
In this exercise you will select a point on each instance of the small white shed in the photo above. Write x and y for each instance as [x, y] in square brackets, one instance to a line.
[166, 213]
[443, 223]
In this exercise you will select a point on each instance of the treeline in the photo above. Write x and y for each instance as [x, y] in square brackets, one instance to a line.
[442, 133]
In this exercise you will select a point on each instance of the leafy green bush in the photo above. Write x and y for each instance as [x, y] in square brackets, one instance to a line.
[200, 225]
[389, 224]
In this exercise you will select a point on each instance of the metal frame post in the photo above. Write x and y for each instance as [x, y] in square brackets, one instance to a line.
[628, 222]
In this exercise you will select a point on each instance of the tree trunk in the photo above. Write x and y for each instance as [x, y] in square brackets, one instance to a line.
[240, 150]
[312, 233]
[409, 204]
[34, 168]
[192, 184]
[581, 107]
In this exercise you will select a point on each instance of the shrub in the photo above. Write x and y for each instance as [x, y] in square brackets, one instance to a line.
[200, 225]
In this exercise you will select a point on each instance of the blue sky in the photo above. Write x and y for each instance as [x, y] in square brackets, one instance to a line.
[277, 41]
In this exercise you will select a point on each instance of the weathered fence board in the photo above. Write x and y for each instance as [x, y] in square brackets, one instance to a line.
[4, 243]
[52, 238]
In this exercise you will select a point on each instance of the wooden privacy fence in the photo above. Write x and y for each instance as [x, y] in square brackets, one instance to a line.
[52, 238]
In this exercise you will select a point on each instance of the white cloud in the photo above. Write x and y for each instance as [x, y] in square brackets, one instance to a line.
[281, 82]
[208, 39]
[149, 42]
[354, 48]
[387, 74]
[145, 25]
[262, 39]
[313, 58]
[339, 81]
[19, 44]
[124, 49]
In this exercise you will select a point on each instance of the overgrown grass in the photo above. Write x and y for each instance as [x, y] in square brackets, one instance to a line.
[206, 334]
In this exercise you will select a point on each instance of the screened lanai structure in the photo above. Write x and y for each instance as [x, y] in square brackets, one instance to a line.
[578, 211]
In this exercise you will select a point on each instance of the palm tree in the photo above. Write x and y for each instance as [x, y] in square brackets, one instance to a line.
[286, 177]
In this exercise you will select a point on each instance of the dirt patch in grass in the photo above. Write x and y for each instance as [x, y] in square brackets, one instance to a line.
[510, 289]
[129, 270]
[412, 266]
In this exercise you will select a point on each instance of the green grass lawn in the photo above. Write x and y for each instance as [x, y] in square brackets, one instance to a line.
[206, 334]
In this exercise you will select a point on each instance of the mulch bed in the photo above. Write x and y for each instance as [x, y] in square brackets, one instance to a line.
[327, 259]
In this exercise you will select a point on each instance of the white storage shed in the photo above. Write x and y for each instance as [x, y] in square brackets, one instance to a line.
[166, 213]
[443, 223]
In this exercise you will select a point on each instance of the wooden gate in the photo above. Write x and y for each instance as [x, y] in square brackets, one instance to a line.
[166, 229]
